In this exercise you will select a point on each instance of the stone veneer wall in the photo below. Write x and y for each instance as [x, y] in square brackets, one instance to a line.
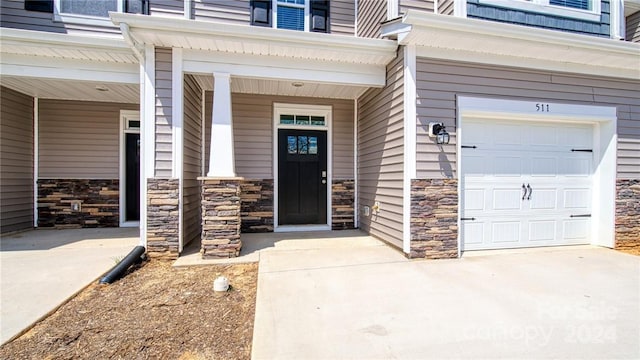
[627, 214]
[99, 202]
[256, 205]
[342, 204]
[163, 201]
[220, 218]
[434, 218]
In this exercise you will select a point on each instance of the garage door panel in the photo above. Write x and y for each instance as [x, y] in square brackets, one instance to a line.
[544, 166]
[474, 234]
[474, 199]
[577, 199]
[476, 166]
[544, 199]
[577, 136]
[576, 230]
[509, 166]
[542, 230]
[506, 199]
[506, 232]
[507, 136]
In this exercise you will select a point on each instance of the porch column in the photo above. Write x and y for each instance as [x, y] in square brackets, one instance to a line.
[221, 187]
[221, 157]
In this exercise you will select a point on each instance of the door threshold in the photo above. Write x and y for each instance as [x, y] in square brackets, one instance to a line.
[130, 224]
[294, 228]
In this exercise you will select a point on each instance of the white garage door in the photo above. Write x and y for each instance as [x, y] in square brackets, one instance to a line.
[525, 184]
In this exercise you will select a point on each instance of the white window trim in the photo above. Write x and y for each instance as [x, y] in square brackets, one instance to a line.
[311, 110]
[69, 18]
[126, 116]
[543, 7]
[307, 17]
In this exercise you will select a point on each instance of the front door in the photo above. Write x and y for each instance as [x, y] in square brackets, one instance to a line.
[302, 174]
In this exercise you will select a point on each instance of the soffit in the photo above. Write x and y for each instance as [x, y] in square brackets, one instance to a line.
[66, 46]
[506, 44]
[239, 39]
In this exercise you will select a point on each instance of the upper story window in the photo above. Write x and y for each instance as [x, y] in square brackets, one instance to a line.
[588, 10]
[300, 15]
[95, 12]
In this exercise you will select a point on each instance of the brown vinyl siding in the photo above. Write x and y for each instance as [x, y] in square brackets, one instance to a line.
[167, 8]
[371, 13]
[164, 140]
[440, 82]
[381, 154]
[342, 17]
[191, 224]
[253, 133]
[420, 5]
[228, 11]
[16, 161]
[445, 7]
[13, 15]
[79, 139]
[633, 27]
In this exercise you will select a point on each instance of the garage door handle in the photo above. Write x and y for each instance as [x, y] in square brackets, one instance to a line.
[530, 191]
[524, 192]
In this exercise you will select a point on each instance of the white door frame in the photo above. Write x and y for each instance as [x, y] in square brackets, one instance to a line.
[299, 109]
[125, 116]
[604, 119]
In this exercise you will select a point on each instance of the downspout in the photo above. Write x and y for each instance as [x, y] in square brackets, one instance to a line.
[128, 38]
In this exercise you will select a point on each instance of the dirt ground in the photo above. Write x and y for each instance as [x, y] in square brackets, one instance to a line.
[154, 312]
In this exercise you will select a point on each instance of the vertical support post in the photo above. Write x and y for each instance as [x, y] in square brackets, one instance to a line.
[221, 153]
[410, 138]
[36, 155]
[177, 115]
[147, 132]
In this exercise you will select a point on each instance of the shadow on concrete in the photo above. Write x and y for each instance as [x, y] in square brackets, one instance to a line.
[49, 239]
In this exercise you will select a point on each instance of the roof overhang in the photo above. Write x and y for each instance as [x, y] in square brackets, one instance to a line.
[244, 50]
[486, 42]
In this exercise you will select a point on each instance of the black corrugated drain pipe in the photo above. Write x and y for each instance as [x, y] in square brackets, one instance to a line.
[135, 256]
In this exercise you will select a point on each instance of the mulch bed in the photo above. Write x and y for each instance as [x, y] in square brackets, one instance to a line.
[156, 311]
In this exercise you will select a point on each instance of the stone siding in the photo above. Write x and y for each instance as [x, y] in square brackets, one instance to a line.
[163, 207]
[220, 218]
[98, 201]
[342, 204]
[628, 214]
[434, 218]
[256, 202]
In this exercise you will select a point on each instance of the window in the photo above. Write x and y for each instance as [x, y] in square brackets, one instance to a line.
[300, 15]
[39, 5]
[588, 10]
[286, 119]
[96, 12]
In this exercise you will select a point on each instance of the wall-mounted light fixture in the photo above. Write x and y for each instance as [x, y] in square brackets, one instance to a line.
[438, 131]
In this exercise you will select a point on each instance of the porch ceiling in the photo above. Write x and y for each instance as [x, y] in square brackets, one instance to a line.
[73, 90]
[451, 38]
[285, 88]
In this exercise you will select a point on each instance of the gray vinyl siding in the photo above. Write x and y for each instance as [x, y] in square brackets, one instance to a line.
[478, 10]
[79, 139]
[381, 154]
[164, 140]
[439, 83]
[253, 133]
[167, 8]
[16, 161]
[13, 15]
[633, 27]
[445, 7]
[371, 13]
[342, 17]
[420, 5]
[229, 11]
[192, 159]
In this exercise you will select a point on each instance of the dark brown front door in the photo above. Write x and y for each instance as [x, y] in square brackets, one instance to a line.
[302, 177]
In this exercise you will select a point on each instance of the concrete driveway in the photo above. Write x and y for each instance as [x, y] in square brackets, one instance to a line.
[359, 299]
[43, 268]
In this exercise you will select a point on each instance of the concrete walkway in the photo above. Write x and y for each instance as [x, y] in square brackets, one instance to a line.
[43, 268]
[357, 298]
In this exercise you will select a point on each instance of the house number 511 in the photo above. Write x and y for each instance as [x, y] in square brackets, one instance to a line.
[542, 107]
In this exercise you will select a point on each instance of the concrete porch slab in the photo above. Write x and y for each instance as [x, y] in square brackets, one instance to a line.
[43, 268]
